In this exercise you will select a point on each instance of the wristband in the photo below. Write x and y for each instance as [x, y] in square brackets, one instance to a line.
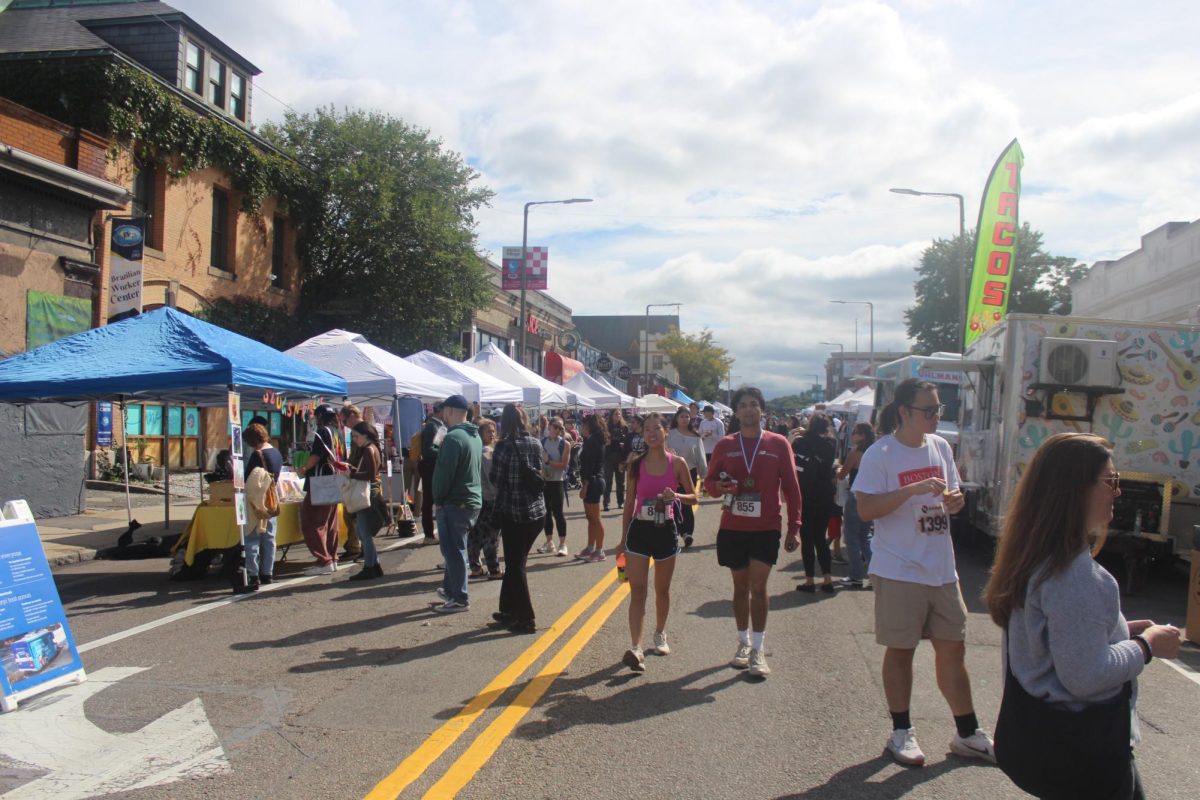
[1141, 640]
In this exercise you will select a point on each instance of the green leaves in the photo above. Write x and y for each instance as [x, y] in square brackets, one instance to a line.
[1040, 285]
[702, 364]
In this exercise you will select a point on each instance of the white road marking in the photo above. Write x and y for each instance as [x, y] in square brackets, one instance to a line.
[1183, 669]
[82, 760]
[215, 604]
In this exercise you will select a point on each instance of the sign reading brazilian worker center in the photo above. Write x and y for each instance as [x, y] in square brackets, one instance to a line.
[37, 650]
[995, 245]
[125, 268]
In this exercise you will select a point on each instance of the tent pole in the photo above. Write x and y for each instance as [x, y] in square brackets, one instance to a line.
[125, 457]
[167, 480]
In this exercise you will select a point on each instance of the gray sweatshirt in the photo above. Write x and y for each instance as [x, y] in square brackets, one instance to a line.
[1070, 643]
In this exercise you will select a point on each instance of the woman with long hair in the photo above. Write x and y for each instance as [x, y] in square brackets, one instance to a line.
[1067, 646]
[614, 457]
[649, 531]
[591, 475]
[557, 448]
[815, 453]
[320, 523]
[520, 510]
[375, 516]
[856, 534]
[484, 537]
[687, 444]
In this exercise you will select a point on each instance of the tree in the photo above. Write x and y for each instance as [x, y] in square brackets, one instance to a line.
[387, 239]
[702, 364]
[1040, 285]
[270, 324]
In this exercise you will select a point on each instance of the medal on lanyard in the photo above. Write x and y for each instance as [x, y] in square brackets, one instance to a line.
[749, 482]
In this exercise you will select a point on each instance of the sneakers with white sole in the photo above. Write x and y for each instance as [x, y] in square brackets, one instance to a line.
[635, 659]
[452, 607]
[977, 745]
[320, 569]
[741, 658]
[903, 748]
[583, 554]
[562, 550]
[660, 644]
[758, 664]
[548, 547]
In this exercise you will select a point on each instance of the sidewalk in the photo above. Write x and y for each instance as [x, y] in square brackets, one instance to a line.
[70, 540]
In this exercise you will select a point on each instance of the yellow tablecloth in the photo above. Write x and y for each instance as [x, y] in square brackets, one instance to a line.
[215, 528]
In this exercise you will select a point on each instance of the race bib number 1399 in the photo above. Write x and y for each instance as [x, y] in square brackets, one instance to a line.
[931, 518]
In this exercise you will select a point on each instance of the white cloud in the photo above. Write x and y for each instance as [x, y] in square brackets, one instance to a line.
[740, 153]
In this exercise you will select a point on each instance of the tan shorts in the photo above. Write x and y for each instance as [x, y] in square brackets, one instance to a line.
[906, 613]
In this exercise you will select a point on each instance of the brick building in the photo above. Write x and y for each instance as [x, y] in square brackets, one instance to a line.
[547, 322]
[201, 242]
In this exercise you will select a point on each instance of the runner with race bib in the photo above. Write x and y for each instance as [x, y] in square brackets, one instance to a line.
[749, 469]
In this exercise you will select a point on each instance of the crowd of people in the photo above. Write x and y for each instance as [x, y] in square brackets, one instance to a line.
[1071, 659]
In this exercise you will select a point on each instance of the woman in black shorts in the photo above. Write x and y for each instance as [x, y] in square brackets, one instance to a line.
[649, 532]
[591, 474]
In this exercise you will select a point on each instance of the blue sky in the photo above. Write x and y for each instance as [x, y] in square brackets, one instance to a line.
[740, 153]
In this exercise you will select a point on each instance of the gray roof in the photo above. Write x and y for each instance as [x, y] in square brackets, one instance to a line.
[617, 333]
[29, 29]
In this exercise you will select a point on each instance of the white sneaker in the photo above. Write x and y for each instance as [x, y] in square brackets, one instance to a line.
[548, 547]
[562, 550]
[660, 644]
[635, 659]
[977, 745]
[320, 569]
[741, 659]
[903, 747]
[758, 664]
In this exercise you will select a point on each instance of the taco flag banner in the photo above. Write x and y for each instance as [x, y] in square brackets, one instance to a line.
[995, 245]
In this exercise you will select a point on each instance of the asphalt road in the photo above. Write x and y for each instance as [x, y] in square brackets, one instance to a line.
[324, 688]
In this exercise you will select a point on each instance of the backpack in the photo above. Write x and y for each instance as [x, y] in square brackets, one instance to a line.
[271, 500]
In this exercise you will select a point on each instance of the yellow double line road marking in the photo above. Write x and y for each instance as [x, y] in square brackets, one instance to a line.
[444, 737]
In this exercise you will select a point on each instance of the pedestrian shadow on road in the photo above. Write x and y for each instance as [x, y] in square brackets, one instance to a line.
[350, 657]
[340, 630]
[855, 781]
[566, 704]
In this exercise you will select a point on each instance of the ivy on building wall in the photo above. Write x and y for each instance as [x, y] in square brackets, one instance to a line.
[124, 104]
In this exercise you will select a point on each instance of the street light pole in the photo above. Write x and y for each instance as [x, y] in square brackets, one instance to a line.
[525, 260]
[963, 266]
[871, 308]
[841, 362]
[646, 352]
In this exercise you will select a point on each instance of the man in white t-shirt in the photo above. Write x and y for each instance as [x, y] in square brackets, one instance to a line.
[908, 485]
[711, 430]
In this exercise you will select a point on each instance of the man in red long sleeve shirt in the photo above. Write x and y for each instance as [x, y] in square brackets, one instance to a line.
[753, 467]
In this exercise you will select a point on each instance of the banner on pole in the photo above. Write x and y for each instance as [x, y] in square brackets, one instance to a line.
[37, 650]
[125, 268]
[995, 245]
[538, 261]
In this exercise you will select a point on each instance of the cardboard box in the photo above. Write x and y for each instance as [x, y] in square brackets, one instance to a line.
[1193, 607]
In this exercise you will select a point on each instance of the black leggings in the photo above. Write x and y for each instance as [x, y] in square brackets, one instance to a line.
[813, 544]
[613, 475]
[554, 493]
[687, 522]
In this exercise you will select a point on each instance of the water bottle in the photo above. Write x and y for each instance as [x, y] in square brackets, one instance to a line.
[621, 577]
[727, 501]
[660, 513]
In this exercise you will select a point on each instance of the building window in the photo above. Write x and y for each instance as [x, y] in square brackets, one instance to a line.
[656, 362]
[143, 189]
[193, 68]
[237, 96]
[278, 245]
[216, 83]
[486, 338]
[219, 257]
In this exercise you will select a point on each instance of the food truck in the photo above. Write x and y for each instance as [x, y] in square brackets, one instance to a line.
[1135, 383]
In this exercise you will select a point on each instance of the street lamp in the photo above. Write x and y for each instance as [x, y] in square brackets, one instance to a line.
[871, 307]
[962, 255]
[841, 362]
[525, 258]
[646, 362]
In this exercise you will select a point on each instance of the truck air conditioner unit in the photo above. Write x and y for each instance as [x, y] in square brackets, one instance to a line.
[1079, 362]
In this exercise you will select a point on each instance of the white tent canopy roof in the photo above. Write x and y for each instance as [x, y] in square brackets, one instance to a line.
[599, 391]
[537, 390]
[656, 402]
[478, 386]
[371, 373]
[863, 397]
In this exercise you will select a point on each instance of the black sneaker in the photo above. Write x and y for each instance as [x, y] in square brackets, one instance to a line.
[687, 541]
[265, 580]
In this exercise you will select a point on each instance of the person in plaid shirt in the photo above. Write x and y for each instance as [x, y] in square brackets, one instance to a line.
[520, 511]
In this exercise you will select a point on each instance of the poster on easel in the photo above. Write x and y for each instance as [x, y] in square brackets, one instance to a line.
[37, 649]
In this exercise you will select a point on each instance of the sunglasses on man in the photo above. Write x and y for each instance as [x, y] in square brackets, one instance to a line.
[930, 411]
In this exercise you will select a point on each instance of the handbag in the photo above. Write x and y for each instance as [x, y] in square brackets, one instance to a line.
[356, 495]
[325, 490]
[1052, 752]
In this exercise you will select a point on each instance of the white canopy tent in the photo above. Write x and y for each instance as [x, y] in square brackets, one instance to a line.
[626, 399]
[836, 403]
[863, 397]
[656, 402]
[478, 386]
[537, 390]
[372, 374]
[601, 393]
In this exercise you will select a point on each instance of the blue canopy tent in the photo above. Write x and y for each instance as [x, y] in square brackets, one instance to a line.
[163, 356]
[679, 397]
